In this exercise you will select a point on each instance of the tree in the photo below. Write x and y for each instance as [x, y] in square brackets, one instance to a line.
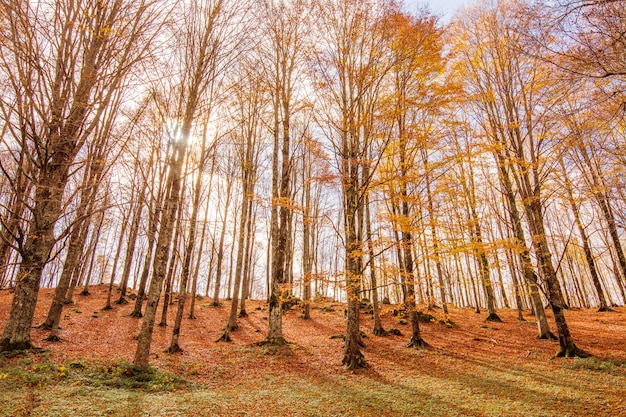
[349, 67]
[208, 44]
[285, 30]
[64, 62]
[247, 104]
[417, 94]
[511, 89]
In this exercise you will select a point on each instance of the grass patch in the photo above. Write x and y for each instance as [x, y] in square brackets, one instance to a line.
[608, 365]
[40, 371]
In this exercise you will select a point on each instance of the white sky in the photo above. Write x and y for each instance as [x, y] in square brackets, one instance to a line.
[443, 8]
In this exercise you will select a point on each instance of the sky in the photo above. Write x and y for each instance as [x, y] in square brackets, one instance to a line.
[443, 8]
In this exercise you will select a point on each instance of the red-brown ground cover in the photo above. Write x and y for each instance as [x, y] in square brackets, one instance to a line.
[90, 333]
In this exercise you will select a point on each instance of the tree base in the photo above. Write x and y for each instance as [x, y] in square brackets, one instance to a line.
[224, 338]
[44, 326]
[107, 307]
[192, 317]
[7, 346]
[274, 341]
[606, 310]
[243, 313]
[571, 352]
[494, 317]
[175, 348]
[136, 315]
[163, 324]
[548, 336]
[53, 338]
[84, 293]
[417, 343]
[354, 361]
[380, 331]
[121, 301]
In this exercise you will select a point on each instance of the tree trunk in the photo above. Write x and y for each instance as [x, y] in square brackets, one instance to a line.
[378, 329]
[585, 240]
[528, 272]
[162, 253]
[118, 251]
[231, 325]
[35, 254]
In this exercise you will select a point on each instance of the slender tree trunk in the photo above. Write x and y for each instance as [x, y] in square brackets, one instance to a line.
[130, 248]
[247, 261]
[433, 233]
[162, 254]
[602, 200]
[585, 240]
[378, 327]
[220, 248]
[528, 271]
[118, 251]
[231, 325]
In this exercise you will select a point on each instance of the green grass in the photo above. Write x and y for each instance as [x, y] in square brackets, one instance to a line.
[448, 386]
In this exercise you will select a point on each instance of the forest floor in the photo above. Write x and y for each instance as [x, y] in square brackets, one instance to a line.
[478, 368]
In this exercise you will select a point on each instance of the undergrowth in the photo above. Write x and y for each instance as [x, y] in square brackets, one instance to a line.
[40, 371]
[607, 365]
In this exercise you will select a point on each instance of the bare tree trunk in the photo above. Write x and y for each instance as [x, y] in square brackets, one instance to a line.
[247, 262]
[231, 325]
[378, 329]
[528, 272]
[118, 251]
[513, 271]
[79, 91]
[130, 248]
[77, 240]
[433, 232]
[220, 248]
[173, 264]
[478, 246]
[583, 236]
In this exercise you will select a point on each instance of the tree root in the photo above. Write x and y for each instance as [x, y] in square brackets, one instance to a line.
[225, 337]
[136, 315]
[493, 317]
[107, 307]
[175, 348]
[418, 343]
[354, 361]
[275, 341]
[571, 352]
[548, 336]
[243, 313]
[44, 326]
[53, 338]
[121, 300]
[380, 331]
[7, 346]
